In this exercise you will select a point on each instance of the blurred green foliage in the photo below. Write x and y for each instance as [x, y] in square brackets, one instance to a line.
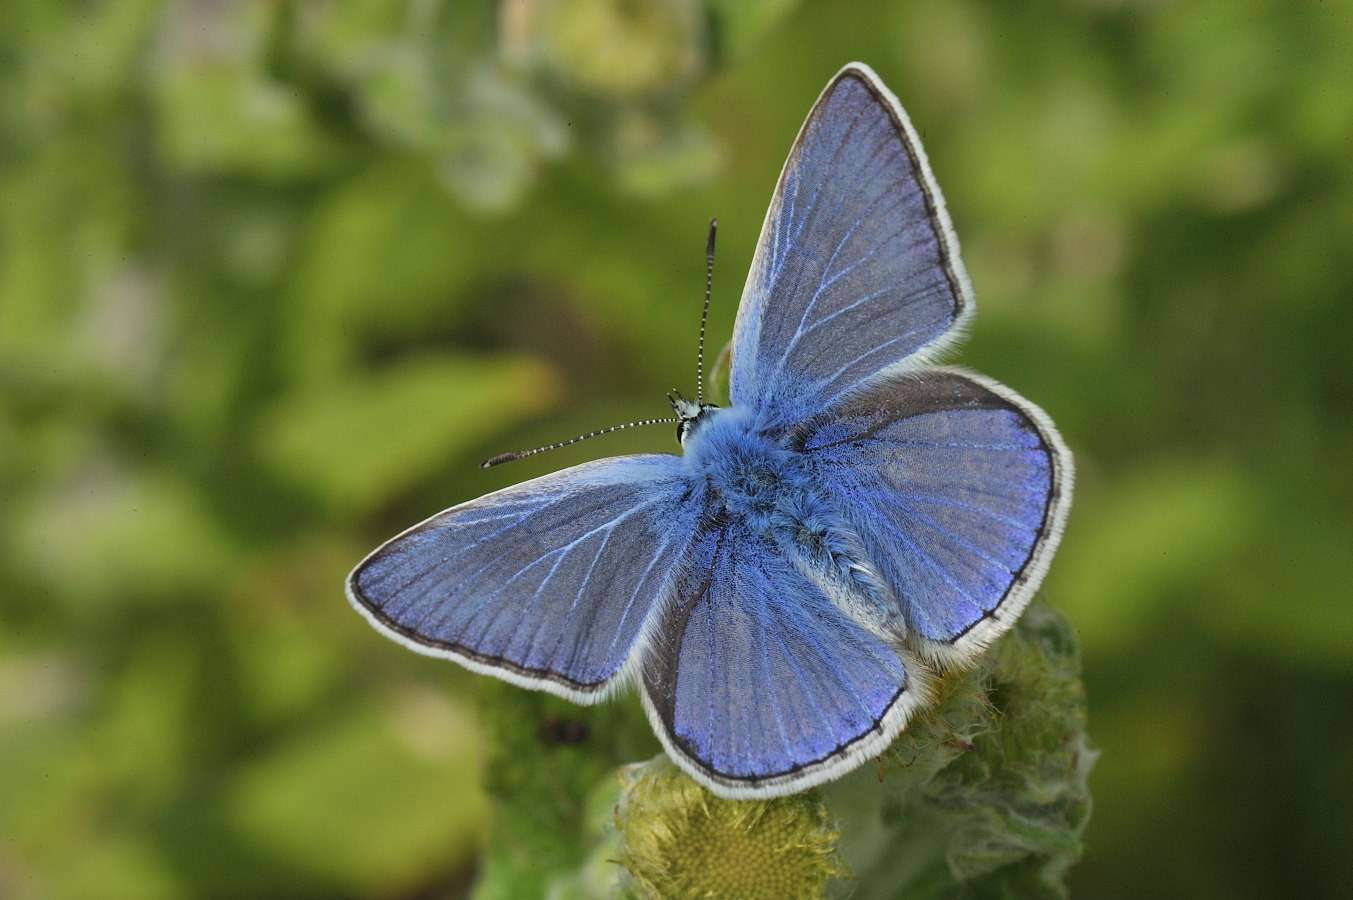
[984, 794]
[275, 275]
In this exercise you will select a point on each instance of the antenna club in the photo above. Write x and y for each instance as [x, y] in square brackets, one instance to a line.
[521, 454]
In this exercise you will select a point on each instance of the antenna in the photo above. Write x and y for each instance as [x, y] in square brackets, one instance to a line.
[521, 454]
[704, 314]
[681, 417]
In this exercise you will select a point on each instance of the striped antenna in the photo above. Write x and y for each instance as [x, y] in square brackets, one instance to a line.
[704, 314]
[666, 420]
[521, 454]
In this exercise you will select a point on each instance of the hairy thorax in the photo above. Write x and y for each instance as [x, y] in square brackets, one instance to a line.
[751, 478]
[746, 473]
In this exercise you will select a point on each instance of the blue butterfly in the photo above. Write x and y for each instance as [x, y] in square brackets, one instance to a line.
[782, 591]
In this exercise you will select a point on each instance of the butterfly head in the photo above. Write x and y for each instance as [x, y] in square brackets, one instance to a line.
[691, 414]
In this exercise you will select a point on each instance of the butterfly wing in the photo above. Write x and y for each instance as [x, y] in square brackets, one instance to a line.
[958, 488]
[757, 683]
[547, 584]
[857, 268]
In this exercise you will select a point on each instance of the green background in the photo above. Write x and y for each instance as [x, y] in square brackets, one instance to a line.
[275, 276]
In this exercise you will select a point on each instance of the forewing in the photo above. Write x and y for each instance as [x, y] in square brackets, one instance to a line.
[958, 488]
[757, 684]
[857, 268]
[547, 584]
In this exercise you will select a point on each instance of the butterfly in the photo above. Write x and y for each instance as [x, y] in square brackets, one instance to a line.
[855, 518]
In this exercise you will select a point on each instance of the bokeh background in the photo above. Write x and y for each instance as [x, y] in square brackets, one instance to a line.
[275, 276]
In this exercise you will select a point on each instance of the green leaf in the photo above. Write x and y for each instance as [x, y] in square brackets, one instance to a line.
[374, 798]
[1168, 525]
[384, 253]
[218, 110]
[103, 533]
[354, 443]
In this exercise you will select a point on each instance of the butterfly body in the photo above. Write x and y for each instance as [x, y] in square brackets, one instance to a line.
[746, 471]
[766, 483]
[781, 592]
